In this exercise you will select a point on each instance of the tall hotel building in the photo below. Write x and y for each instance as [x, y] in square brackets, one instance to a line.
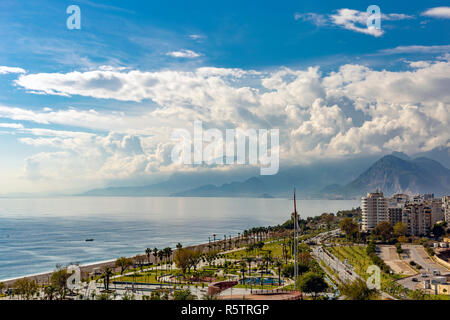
[374, 210]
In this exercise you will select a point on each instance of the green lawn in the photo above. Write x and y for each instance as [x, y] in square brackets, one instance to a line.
[146, 277]
[437, 297]
[275, 248]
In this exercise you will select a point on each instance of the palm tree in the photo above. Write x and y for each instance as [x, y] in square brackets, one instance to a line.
[167, 253]
[107, 273]
[161, 255]
[278, 264]
[148, 252]
[179, 246]
[267, 259]
[285, 252]
[155, 254]
[243, 268]
[249, 259]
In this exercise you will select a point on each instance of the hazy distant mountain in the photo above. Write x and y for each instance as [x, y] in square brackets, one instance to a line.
[394, 175]
[175, 183]
[308, 181]
[154, 190]
[252, 187]
[338, 179]
[440, 154]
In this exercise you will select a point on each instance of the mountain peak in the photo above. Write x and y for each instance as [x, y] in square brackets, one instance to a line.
[400, 155]
[392, 174]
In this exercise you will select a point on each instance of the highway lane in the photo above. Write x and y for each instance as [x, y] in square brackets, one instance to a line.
[344, 272]
[417, 254]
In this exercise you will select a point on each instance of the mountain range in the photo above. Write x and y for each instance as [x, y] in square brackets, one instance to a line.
[343, 179]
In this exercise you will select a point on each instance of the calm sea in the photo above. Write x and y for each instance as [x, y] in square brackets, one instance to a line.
[37, 234]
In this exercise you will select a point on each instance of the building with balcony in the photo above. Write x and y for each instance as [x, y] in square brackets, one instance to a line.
[374, 210]
[418, 218]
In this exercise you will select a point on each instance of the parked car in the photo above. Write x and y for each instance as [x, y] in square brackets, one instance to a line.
[415, 280]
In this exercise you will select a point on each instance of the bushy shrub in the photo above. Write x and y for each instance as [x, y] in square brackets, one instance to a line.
[183, 295]
[429, 250]
[371, 252]
[288, 270]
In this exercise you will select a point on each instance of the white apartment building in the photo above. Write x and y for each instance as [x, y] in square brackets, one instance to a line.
[374, 210]
[446, 207]
[418, 218]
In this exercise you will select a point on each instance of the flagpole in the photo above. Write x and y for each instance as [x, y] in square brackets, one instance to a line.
[295, 243]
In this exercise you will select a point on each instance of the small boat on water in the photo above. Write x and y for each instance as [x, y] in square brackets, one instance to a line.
[90, 239]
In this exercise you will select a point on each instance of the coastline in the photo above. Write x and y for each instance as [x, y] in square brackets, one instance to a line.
[44, 277]
[88, 268]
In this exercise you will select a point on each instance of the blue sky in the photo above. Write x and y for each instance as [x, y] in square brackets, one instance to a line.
[169, 42]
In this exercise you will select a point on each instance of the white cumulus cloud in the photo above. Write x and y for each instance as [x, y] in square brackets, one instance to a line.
[350, 19]
[438, 12]
[183, 54]
[6, 70]
[353, 110]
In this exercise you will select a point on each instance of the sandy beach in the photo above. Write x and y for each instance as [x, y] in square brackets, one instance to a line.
[88, 269]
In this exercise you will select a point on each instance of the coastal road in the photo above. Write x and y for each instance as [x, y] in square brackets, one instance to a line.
[418, 254]
[343, 272]
[322, 236]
